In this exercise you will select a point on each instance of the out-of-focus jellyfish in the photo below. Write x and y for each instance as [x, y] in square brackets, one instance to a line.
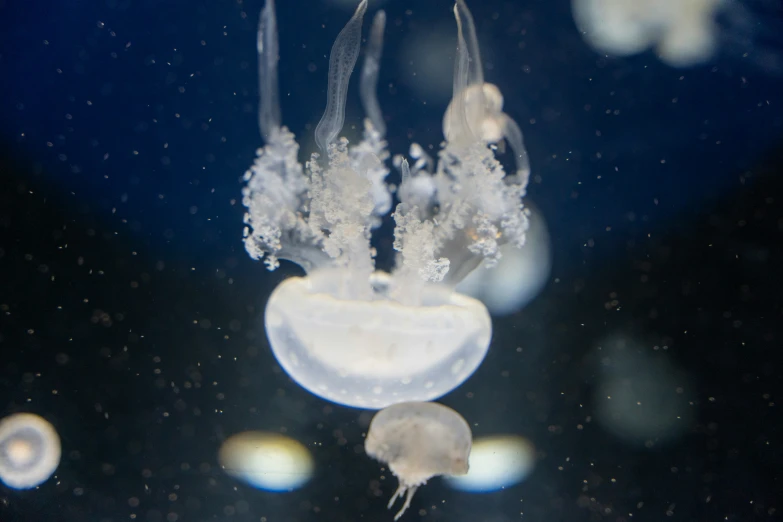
[683, 32]
[268, 461]
[29, 450]
[642, 399]
[496, 462]
[349, 333]
[418, 441]
[519, 276]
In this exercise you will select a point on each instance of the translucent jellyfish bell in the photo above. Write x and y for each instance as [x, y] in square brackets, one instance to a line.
[370, 354]
[29, 450]
[347, 332]
[419, 440]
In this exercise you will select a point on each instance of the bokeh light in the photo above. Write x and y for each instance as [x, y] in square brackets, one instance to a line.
[641, 398]
[496, 462]
[29, 450]
[519, 276]
[267, 461]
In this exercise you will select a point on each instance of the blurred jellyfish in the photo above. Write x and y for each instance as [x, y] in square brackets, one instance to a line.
[268, 461]
[349, 333]
[682, 32]
[641, 399]
[418, 440]
[519, 276]
[496, 462]
[29, 450]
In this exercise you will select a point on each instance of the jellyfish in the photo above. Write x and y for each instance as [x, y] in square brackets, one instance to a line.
[418, 440]
[345, 331]
[684, 32]
[29, 450]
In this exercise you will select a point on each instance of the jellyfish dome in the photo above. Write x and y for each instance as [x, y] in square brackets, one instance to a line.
[346, 331]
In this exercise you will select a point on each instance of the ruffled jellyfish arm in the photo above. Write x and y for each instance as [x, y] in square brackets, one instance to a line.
[276, 190]
[349, 195]
[370, 155]
[268, 56]
[342, 60]
[372, 64]
[450, 222]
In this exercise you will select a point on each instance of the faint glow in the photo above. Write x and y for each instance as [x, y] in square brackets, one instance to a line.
[424, 63]
[29, 450]
[496, 462]
[519, 276]
[268, 461]
[683, 32]
[641, 398]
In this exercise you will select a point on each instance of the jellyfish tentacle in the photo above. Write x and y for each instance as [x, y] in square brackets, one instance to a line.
[455, 123]
[401, 487]
[276, 187]
[516, 141]
[268, 56]
[369, 82]
[342, 60]
[409, 492]
[475, 70]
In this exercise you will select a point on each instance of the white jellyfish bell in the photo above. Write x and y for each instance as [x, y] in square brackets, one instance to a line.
[347, 332]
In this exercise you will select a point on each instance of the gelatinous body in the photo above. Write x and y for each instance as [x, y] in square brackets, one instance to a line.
[29, 450]
[418, 441]
[346, 332]
[371, 354]
[683, 32]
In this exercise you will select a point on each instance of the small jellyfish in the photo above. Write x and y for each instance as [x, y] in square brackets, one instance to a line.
[347, 332]
[29, 450]
[418, 441]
